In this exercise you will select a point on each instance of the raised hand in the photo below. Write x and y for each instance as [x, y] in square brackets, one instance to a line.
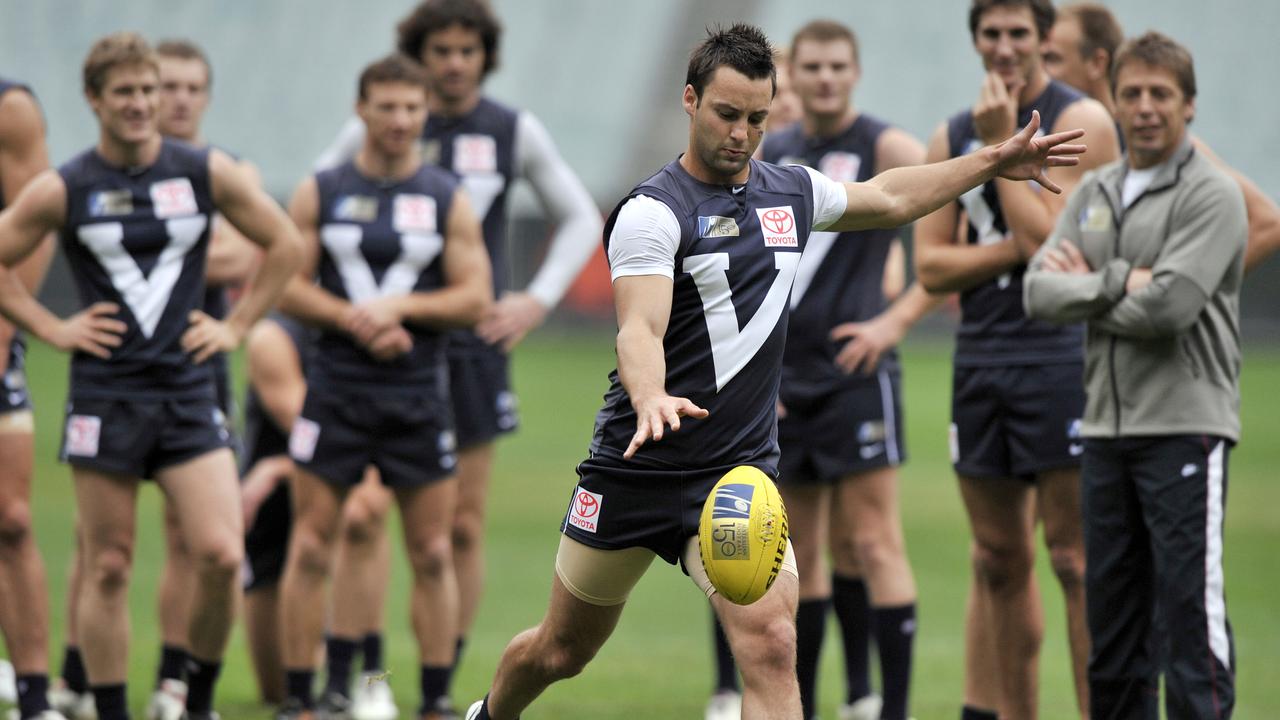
[653, 416]
[1025, 156]
[206, 336]
[93, 330]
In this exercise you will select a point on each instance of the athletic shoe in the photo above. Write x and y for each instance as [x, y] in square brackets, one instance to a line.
[8, 683]
[169, 701]
[293, 710]
[72, 705]
[211, 715]
[473, 712]
[333, 706]
[371, 699]
[864, 708]
[46, 715]
[442, 711]
[724, 705]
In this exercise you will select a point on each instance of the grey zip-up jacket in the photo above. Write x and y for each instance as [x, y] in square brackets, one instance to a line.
[1164, 360]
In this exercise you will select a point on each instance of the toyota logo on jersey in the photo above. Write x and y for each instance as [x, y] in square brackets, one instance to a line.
[778, 225]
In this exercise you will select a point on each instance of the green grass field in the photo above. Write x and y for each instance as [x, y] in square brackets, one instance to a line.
[658, 663]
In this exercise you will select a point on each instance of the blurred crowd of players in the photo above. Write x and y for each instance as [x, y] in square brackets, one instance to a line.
[382, 375]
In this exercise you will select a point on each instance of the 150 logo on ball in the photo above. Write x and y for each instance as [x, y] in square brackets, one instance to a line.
[731, 522]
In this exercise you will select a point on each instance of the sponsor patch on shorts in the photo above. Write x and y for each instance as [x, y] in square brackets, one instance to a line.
[303, 439]
[953, 440]
[83, 432]
[585, 511]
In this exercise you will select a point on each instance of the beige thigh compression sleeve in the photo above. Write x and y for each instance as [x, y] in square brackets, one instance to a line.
[698, 573]
[600, 577]
[18, 421]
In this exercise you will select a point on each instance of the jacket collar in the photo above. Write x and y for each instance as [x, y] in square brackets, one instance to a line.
[1167, 173]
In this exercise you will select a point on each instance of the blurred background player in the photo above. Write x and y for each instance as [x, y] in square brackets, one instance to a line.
[1016, 396]
[840, 425]
[140, 347]
[490, 146]
[736, 229]
[24, 613]
[1079, 52]
[186, 78]
[1166, 231]
[399, 257]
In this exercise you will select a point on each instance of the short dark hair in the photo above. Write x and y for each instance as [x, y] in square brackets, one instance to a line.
[435, 15]
[394, 68]
[1158, 50]
[1041, 10]
[186, 50]
[742, 47]
[823, 31]
[1099, 29]
[114, 50]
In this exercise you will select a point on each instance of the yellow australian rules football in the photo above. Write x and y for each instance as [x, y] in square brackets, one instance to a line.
[742, 534]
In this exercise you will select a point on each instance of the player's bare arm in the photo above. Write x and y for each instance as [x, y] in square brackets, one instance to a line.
[256, 215]
[1264, 215]
[233, 258]
[37, 211]
[1030, 214]
[570, 208]
[462, 302]
[643, 305]
[275, 374]
[902, 195]
[944, 264]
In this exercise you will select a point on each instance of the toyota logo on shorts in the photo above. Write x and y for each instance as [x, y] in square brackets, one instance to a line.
[588, 506]
[778, 221]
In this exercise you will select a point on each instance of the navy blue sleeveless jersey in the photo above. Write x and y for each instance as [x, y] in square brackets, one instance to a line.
[994, 329]
[841, 276]
[733, 271]
[262, 437]
[138, 237]
[480, 147]
[381, 239]
[5, 86]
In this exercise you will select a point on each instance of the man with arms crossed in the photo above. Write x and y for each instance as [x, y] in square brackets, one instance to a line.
[24, 614]
[1016, 399]
[139, 201]
[1150, 253]
[400, 258]
[1079, 53]
[489, 146]
[712, 232]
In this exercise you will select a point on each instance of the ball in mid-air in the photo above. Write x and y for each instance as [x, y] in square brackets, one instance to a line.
[743, 534]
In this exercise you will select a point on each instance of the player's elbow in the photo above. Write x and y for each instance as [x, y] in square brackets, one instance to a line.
[932, 274]
[476, 303]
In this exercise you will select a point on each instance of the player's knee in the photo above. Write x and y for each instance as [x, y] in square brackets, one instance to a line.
[430, 556]
[1068, 565]
[15, 526]
[771, 649]
[361, 525]
[467, 532]
[311, 549]
[563, 659]
[875, 552]
[221, 557]
[109, 568]
[1001, 567]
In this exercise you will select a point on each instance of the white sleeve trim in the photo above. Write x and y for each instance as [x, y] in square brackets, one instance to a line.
[829, 200]
[645, 239]
[344, 146]
[568, 205]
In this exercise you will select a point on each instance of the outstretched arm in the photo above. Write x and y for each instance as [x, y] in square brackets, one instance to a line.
[902, 195]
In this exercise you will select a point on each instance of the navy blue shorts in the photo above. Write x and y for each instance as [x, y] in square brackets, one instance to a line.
[408, 437]
[16, 397]
[483, 405]
[855, 429]
[140, 437]
[615, 506]
[1016, 421]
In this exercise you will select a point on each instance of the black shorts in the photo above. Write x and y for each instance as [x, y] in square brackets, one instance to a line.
[408, 437]
[615, 507]
[1016, 421]
[140, 437]
[266, 541]
[16, 397]
[483, 405]
[856, 429]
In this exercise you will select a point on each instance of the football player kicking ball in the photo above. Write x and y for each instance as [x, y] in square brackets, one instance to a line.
[142, 401]
[712, 232]
[399, 257]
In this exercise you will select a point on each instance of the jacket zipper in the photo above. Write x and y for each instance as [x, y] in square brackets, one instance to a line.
[1116, 221]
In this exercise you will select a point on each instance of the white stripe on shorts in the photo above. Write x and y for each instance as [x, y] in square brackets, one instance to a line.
[890, 420]
[1215, 604]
